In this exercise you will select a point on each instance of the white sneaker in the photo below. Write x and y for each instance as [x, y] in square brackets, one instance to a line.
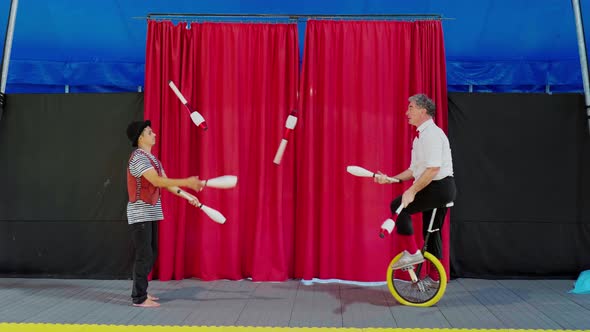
[408, 259]
[429, 283]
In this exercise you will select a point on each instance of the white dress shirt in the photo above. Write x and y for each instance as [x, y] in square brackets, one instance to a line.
[431, 149]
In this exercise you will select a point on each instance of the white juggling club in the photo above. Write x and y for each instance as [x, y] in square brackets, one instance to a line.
[363, 172]
[389, 224]
[289, 126]
[222, 182]
[195, 116]
[212, 213]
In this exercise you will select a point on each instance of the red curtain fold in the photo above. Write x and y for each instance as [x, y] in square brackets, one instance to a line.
[356, 79]
[243, 78]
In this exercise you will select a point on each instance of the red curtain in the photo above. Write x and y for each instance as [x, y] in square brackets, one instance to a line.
[243, 78]
[356, 79]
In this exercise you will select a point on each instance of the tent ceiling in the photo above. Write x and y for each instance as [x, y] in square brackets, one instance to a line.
[101, 44]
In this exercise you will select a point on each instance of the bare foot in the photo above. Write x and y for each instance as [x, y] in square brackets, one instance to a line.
[153, 298]
[147, 304]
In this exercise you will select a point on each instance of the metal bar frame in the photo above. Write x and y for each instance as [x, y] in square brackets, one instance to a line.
[583, 56]
[292, 17]
[8, 44]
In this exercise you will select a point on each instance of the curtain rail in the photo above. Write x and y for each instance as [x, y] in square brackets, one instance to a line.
[296, 16]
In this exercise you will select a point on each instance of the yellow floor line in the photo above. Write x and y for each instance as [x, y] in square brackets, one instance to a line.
[20, 327]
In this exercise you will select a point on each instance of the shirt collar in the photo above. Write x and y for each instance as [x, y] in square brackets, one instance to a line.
[425, 125]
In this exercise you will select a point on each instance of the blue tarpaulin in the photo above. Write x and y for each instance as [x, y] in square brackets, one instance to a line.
[99, 46]
[582, 285]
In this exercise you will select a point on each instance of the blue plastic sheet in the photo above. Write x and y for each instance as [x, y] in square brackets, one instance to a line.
[491, 45]
[582, 285]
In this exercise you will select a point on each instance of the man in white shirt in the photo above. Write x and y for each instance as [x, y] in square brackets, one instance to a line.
[431, 169]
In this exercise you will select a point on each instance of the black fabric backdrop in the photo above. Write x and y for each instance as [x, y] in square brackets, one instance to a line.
[522, 166]
[62, 207]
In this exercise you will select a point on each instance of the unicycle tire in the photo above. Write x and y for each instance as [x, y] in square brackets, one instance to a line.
[421, 293]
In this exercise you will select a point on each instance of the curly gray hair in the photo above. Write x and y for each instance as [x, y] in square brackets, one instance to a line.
[421, 100]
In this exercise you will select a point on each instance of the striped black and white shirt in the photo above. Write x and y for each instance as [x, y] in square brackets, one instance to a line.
[140, 211]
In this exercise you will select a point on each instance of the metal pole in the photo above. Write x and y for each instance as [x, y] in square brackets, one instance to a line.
[6, 53]
[583, 56]
[8, 44]
[298, 16]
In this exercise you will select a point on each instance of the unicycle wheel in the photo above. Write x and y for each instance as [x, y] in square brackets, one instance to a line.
[425, 291]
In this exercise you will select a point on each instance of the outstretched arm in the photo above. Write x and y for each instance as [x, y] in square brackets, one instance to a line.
[192, 182]
[177, 191]
[403, 176]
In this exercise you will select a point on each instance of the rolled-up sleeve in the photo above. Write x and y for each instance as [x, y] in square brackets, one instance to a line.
[139, 164]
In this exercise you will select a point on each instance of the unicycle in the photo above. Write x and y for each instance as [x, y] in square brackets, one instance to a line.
[420, 285]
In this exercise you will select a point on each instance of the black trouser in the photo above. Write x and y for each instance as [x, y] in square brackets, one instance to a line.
[145, 242]
[435, 195]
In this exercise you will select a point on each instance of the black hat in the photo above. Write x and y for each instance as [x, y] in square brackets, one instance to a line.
[134, 130]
